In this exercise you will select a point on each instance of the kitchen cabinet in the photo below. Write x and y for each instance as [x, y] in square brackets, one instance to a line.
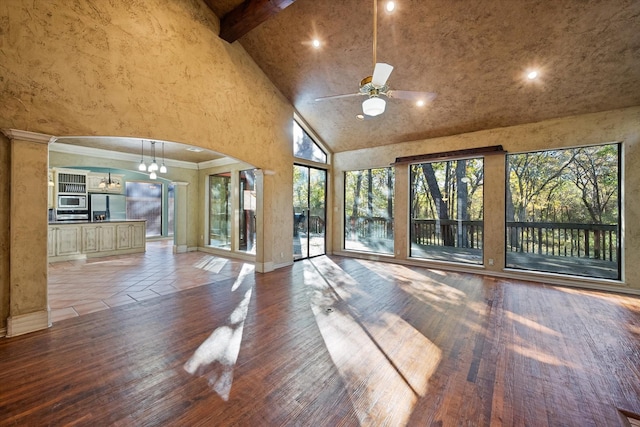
[98, 237]
[108, 237]
[68, 241]
[78, 240]
[51, 242]
[130, 236]
[70, 181]
[90, 239]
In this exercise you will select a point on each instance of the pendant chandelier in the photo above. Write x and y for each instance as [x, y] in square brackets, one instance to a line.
[107, 183]
[153, 166]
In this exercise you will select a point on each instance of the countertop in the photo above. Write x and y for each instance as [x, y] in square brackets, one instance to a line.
[113, 221]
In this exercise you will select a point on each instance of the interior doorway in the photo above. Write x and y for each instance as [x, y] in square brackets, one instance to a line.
[309, 211]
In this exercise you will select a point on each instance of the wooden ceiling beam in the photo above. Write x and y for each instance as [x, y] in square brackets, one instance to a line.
[249, 15]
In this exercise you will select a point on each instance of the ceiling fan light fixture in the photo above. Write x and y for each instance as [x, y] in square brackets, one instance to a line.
[373, 106]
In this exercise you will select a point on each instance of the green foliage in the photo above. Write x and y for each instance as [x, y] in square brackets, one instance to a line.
[459, 190]
[361, 202]
[578, 185]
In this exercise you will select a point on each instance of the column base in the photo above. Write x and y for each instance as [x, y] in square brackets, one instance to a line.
[30, 322]
[180, 249]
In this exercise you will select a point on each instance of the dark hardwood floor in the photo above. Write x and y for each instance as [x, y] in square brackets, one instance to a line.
[335, 342]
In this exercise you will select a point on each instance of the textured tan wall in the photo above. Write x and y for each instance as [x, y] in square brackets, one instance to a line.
[154, 69]
[5, 214]
[611, 126]
[28, 230]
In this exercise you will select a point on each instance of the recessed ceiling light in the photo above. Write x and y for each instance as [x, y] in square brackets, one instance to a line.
[532, 75]
[360, 117]
[420, 103]
[194, 149]
[316, 43]
[390, 6]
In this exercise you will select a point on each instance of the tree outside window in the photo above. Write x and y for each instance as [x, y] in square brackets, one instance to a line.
[562, 211]
[447, 210]
[369, 210]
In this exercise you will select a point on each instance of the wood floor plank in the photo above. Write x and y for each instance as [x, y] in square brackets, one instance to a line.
[333, 341]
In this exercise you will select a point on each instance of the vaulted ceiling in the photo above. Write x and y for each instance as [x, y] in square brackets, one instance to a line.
[474, 55]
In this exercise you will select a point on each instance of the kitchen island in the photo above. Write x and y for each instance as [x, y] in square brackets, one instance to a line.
[68, 240]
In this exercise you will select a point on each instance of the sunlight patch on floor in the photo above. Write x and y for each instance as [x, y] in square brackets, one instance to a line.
[531, 324]
[415, 283]
[216, 357]
[244, 272]
[212, 264]
[367, 354]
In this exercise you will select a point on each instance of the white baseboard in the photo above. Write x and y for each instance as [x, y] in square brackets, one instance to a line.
[30, 322]
[282, 265]
[264, 267]
[180, 249]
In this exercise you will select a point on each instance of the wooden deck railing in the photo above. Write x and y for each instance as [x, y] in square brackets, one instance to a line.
[448, 232]
[595, 241]
[370, 227]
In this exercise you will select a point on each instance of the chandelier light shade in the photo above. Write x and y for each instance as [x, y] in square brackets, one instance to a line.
[163, 168]
[153, 166]
[153, 175]
[373, 106]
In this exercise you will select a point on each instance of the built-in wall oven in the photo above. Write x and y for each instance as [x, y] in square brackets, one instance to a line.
[72, 207]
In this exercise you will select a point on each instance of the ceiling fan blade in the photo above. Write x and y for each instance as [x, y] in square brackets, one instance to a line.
[324, 98]
[381, 73]
[412, 95]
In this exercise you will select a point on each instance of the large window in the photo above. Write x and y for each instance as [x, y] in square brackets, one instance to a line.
[144, 201]
[304, 146]
[220, 210]
[309, 211]
[368, 222]
[446, 213]
[563, 212]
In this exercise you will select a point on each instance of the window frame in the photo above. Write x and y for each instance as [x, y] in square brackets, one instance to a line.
[619, 205]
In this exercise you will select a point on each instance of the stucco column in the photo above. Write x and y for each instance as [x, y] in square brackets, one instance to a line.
[181, 218]
[28, 304]
[400, 208]
[264, 230]
[494, 219]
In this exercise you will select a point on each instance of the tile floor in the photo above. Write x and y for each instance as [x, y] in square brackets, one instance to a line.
[84, 286]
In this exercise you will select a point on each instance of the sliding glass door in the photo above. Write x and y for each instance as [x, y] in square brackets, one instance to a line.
[309, 211]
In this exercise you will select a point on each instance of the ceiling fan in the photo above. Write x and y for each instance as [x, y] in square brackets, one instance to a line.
[376, 88]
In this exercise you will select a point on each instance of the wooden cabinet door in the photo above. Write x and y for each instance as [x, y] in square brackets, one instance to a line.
[51, 241]
[138, 235]
[90, 239]
[123, 236]
[107, 238]
[68, 241]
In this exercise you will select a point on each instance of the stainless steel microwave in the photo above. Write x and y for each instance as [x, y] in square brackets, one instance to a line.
[72, 202]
